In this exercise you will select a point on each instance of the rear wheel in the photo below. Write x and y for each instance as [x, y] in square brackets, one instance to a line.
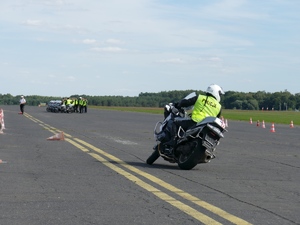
[153, 157]
[189, 160]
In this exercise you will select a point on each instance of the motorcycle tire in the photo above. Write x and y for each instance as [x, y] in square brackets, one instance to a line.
[153, 157]
[190, 160]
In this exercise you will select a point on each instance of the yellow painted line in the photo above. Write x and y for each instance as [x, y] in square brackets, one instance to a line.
[82, 148]
[46, 126]
[199, 202]
[165, 197]
[32, 118]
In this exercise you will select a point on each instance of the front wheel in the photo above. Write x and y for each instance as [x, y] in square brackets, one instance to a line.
[153, 157]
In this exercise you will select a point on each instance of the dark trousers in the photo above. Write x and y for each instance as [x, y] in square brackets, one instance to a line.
[75, 108]
[22, 108]
[173, 126]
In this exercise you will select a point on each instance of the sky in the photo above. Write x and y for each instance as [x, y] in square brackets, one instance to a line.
[128, 47]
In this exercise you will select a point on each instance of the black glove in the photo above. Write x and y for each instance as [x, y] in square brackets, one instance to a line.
[175, 111]
[176, 105]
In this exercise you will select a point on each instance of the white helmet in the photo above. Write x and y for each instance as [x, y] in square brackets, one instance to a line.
[215, 90]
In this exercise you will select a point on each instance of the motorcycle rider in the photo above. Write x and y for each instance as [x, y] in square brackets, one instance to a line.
[204, 106]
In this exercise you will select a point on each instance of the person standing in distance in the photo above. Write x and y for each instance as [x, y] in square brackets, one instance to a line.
[22, 104]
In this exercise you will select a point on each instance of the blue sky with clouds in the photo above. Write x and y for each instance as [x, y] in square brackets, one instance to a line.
[116, 47]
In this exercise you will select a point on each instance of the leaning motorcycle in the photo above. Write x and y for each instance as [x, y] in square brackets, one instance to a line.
[193, 146]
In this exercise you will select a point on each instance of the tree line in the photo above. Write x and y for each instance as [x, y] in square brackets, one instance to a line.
[260, 100]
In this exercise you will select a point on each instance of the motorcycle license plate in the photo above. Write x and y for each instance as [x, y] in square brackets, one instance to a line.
[220, 122]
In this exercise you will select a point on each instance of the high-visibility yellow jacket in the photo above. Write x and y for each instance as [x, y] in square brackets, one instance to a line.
[205, 106]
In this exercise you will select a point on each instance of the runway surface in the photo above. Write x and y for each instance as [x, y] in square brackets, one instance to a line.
[98, 174]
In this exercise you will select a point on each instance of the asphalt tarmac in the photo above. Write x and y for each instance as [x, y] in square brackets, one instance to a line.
[98, 174]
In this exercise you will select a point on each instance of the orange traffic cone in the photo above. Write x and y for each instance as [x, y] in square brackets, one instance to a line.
[257, 124]
[1, 161]
[272, 128]
[292, 124]
[250, 121]
[263, 124]
[59, 136]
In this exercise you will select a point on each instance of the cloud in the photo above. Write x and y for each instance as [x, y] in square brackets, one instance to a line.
[52, 76]
[190, 60]
[89, 41]
[108, 49]
[71, 78]
[53, 2]
[32, 23]
[238, 9]
[211, 59]
[55, 27]
[114, 41]
[172, 61]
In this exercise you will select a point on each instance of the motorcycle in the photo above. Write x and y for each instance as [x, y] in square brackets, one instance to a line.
[194, 145]
[67, 108]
